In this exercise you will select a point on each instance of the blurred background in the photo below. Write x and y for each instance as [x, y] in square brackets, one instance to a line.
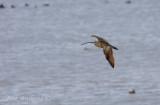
[43, 62]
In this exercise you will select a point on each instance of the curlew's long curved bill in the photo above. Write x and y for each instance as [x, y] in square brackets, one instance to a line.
[86, 43]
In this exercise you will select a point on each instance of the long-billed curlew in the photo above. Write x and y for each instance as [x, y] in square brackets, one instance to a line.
[107, 48]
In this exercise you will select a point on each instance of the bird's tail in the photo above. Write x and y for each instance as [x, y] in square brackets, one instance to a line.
[114, 47]
[86, 43]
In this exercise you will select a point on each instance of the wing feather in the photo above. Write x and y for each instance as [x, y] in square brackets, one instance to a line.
[109, 55]
[101, 39]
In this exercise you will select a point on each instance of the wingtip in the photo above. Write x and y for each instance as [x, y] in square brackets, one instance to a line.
[93, 35]
[112, 66]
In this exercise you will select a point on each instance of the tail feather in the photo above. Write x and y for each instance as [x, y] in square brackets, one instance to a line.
[114, 47]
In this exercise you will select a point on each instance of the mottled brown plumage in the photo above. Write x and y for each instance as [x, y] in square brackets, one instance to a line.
[107, 48]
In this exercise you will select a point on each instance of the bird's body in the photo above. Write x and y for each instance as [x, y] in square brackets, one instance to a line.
[107, 48]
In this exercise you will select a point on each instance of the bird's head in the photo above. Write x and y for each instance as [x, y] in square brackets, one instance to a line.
[97, 43]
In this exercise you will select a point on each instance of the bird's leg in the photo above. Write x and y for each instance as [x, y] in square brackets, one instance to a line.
[86, 43]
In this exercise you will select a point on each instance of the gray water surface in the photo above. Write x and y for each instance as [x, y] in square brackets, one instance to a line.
[42, 60]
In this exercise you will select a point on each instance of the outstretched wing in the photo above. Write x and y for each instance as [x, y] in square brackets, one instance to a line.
[109, 55]
[100, 39]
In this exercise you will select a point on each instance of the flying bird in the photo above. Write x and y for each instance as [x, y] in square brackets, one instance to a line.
[107, 48]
